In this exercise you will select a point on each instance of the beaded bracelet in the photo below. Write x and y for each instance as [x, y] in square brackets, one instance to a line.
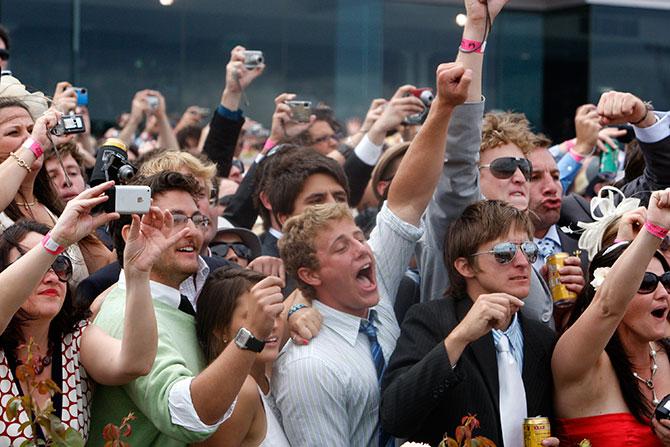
[296, 307]
[21, 162]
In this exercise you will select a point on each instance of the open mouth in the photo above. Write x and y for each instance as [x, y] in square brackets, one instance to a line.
[271, 340]
[660, 313]
[365, 277]
[187, 249]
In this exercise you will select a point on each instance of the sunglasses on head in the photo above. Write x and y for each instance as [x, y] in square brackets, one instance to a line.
[650, 282]
[221, 249]
[505, 167]
[504, 252]
[62, 267]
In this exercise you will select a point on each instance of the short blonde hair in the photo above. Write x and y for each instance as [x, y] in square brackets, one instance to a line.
[500, 128]
[175, 161]
[297, 245]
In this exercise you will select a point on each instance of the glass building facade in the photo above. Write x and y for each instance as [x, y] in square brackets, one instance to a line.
[544, 62]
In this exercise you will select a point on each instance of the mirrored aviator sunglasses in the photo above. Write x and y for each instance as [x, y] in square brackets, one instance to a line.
[505, 167]
[505, 251]
[650, 282]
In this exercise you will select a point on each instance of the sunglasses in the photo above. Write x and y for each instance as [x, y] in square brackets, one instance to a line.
[62, 267]
[221, 249]
[4, 54]
[650, 282]
[505, 167]
[504, 252]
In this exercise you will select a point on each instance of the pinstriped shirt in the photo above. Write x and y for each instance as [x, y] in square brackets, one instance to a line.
[327, 391]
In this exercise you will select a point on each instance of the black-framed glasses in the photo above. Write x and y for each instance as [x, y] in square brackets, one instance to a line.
[198, 220]
[504, 252]
[62, 267]
[650, 282]
[505, 167]
[4, 54]
[221, 249]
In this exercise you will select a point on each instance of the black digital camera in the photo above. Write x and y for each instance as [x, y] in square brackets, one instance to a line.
[111, 163]
[663, 408]
[69, 124]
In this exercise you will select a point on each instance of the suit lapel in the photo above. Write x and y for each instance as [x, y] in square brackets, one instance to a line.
[484, 354]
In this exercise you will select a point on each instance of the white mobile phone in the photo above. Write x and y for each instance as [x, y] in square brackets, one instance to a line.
[132, 199]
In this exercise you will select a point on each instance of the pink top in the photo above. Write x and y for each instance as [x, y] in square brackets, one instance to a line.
[610, 430]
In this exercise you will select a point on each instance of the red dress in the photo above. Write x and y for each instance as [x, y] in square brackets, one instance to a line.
[607, 430]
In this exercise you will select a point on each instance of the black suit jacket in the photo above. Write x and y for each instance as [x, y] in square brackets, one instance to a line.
[573, 209]
[89, 289]
[423, 397]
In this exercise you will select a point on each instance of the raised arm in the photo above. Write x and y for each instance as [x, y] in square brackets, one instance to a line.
[420, 168]
[166, 136]
[116, 362]
[603, 315]
[19, 279]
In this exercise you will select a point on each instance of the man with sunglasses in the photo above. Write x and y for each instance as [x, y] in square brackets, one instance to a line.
[473, 353]
[235, 244]
[173, 403]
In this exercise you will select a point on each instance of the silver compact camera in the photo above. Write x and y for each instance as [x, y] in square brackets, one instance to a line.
[152, 101]
[300, 110]
[69, 124]
[252, 59]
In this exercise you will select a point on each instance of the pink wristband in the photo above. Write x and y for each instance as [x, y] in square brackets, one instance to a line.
[34, 146]
[472, 46]
[573, 153]
[655, 230]
[269, 144]
[52, 247]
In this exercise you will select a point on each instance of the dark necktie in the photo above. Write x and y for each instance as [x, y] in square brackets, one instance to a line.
[186, 306]
[369, 329]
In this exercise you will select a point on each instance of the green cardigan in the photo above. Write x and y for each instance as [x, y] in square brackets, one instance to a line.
[178, 356]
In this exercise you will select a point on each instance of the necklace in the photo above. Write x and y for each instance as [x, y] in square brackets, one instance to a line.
[26, 204]
[42, 363]
[650, 381]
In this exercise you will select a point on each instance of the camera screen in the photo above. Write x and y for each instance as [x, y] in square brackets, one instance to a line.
[667, 405]
[72, 122]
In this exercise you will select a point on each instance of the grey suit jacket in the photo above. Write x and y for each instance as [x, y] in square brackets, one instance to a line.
[457, 188]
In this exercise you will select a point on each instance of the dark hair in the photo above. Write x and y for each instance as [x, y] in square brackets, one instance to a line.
[64, 322]
[216, 304]
[4, 35]
[188, 132]
[289, 174]
[64, 150]
[635, 400]
[481, 222]
[159, 184]
[43, 189]
[261, 176]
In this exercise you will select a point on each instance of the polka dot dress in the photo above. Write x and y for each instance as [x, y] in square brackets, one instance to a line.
[76, 393]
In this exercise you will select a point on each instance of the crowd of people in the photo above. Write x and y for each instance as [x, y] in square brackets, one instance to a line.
[318, 284]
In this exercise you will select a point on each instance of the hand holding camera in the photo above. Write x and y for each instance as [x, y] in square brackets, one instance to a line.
[244, 66]
[65, 97]
[290, 117]
[76, 221]
[43, 126]
[401, 105]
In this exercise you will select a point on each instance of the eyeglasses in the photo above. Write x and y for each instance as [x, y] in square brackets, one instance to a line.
[505, 167]
[504, 252]
[4, 54]
[650, 282]
[198, 220]
[62, 267]
[221, 249]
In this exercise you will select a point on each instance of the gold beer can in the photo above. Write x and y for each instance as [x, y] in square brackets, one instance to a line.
[559, 293]
[535, 430]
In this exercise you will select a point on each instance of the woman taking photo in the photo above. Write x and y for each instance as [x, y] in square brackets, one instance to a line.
[611, 366]
[222, 311]
[36, 308]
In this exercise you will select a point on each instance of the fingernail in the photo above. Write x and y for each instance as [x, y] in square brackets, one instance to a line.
[305, 342]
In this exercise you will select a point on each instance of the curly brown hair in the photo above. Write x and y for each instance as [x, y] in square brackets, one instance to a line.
[500, 128]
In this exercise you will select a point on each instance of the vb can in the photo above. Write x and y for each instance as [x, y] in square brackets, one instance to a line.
[535, 430]
[559, 293]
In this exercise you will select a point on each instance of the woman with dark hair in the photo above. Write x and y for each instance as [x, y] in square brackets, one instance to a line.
[222, 311]
[611, 366]
[27, 192]
[36, 308]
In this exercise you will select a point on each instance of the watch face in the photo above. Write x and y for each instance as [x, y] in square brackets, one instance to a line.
[242, 338]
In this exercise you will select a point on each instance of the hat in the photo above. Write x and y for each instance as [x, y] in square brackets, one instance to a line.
[11, 88]
[388, 157]
[248, 237]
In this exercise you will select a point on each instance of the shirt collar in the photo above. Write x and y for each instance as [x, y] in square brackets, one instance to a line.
[276, 233]
[514, 329]
[344, 324]
[552, 234]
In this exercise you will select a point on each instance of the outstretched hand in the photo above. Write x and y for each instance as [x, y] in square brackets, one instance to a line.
[659, 208]
[148, 238]
[453, 81]
[76, 221]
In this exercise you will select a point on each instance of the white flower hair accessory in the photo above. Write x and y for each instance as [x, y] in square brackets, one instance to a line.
[603, 212]
[599, 276]
[415, 444]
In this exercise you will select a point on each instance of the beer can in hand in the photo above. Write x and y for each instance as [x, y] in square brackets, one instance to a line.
[535, 430]
[559, 293]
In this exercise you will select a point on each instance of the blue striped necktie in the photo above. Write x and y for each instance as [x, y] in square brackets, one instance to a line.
[369, 329]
